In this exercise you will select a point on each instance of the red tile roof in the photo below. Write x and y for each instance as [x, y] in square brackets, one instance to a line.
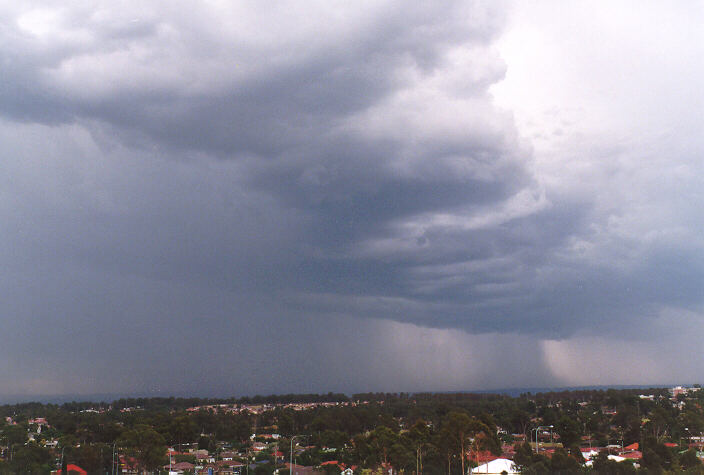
[181, 466]
[71, 468]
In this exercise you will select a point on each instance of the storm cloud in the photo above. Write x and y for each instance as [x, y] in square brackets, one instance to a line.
[233, 198]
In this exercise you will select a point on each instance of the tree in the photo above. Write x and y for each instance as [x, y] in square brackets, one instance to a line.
[520, 419]
[206, 443]
[576, 453]
[569, 431]
[524, 455]
[87, 457]
[651, 460]
[401, 457]
[263, 469]
[539, 468]
[380, 441]
[689, 459]
[15, 434]
[459, 428]
[286, 423]
[561, 463]
[419, 436]
[182, 429]
[331, 438]
[659, 421]
[30, 458]
[146, 445]
[656, 455]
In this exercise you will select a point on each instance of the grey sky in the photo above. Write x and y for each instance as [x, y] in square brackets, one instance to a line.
[236, 199]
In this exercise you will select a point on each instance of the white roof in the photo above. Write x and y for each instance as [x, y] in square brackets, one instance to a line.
[496, 467]
[589, 454]
[615, 458]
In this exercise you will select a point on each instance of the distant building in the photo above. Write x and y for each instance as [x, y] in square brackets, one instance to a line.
[259, 446]
[677, 390]
[180, 467]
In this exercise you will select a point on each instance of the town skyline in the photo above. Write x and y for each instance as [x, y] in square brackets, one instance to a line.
[581, 431]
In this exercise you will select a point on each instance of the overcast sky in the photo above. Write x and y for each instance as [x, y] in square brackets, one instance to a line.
[229, 198]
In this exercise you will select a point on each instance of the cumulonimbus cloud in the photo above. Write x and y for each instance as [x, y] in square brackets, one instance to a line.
[309, 161]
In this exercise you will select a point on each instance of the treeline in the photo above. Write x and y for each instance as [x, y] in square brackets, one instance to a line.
[605, 396]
